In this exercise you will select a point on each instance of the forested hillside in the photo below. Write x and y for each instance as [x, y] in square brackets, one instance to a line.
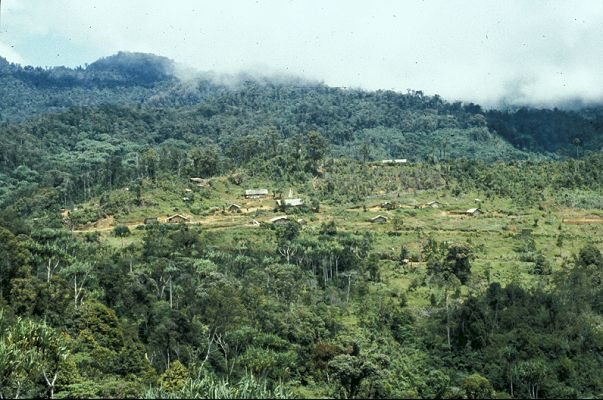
[389, 122]
[550, 130]
[134, 264]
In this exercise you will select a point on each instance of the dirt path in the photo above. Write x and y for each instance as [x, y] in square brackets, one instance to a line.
[209, 222]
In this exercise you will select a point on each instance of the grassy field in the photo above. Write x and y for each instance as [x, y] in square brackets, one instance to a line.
[495, 235]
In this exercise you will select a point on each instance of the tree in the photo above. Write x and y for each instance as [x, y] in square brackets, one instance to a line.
[541, 265]
[315, 147]
[328, 228]
[372, 267]
[121, 231]
[436, 385]
[80, 273]
[14, 260]
[205, 161]
[285, 236]
[148, 163]
[581, 282]
[397, 223]
[174, 378]
[590, 255]
[365, 150]
[138, 192]
[403, 255]
[458, 262]
[577, 142]
[350, 371]
[52, 249]
[29, 352]
[477, 387]
[449, 267]
[532, 374]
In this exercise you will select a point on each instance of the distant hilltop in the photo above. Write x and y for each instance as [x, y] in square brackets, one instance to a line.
[140, 67]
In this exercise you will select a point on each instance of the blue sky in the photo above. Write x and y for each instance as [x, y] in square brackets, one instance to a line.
[538, 51]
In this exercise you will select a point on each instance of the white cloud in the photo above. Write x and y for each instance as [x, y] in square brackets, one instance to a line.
[537, 51]
[8, 52]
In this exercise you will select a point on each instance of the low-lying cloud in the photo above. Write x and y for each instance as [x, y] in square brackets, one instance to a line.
[543, 53]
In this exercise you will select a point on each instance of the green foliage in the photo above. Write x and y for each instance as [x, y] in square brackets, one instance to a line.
[477, 387]
[436, 386]
[350, 371]
[247, 387]
[328, 228]
[174, 379]
[121, 231]
[541, 266]
[448, 261]
[30, 353]
[397, 222]
[403, 255]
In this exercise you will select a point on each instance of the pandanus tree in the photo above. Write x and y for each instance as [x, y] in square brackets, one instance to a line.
[29, 352]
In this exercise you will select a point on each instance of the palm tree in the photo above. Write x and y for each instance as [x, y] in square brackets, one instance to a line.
[577, 142]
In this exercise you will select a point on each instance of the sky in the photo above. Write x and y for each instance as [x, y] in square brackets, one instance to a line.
[543, 53]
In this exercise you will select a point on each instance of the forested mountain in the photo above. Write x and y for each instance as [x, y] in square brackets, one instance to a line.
[388, 123]
[133, 265]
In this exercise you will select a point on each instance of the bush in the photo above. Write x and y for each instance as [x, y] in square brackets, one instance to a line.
[121, 231]
[541, 266]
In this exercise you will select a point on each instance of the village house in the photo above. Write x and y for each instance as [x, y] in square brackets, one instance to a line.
[433, 204]
[289, 203]
[395, 161]
[474, 212]
[379, 219]
[177, 219]
[234, 208]
[256, 193]
[280, 220]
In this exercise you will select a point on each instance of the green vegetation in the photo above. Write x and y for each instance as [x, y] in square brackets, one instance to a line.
[101, 297]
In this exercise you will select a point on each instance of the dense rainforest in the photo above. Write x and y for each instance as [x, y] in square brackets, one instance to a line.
[96, 302]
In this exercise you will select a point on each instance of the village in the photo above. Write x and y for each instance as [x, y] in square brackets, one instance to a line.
[227, 207]
[253, 199]
[235, 203]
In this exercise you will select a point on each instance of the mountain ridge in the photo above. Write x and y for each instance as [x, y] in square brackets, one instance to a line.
[141, 79]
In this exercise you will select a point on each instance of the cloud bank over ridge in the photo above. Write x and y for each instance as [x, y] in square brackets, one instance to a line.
[543, 53]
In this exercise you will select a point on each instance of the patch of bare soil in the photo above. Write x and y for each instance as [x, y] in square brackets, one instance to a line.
[583, 221]
[108, 222]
